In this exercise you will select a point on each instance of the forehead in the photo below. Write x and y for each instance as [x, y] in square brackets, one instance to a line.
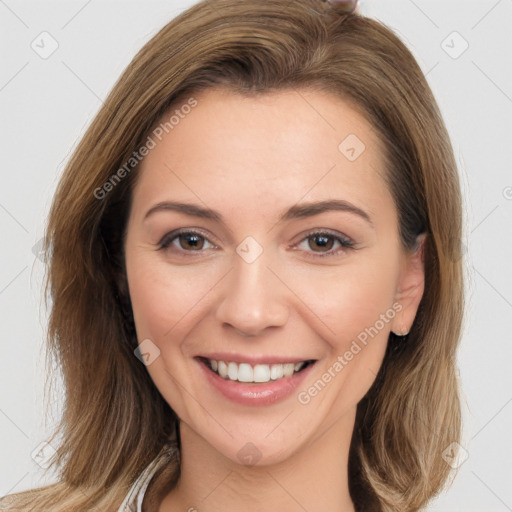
[270, 150]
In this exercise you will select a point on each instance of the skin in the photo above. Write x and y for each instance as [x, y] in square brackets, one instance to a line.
[250, 159]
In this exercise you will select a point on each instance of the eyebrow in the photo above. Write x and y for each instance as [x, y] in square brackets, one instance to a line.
[297, 211]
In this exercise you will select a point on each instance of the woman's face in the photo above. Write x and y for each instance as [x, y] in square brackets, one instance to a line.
[263, 243]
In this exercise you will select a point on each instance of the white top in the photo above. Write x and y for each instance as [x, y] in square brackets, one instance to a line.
[133, 500]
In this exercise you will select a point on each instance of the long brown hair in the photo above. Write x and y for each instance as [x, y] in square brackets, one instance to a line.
[114, 420]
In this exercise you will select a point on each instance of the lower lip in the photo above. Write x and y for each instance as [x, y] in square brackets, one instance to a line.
[260, 394]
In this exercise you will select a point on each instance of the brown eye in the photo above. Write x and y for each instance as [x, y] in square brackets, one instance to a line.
[191, 241]
[322, 242]
[185, 242]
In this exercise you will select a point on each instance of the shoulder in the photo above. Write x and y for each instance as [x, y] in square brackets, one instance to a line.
[150, 482]
[26, 501]
[161, 470]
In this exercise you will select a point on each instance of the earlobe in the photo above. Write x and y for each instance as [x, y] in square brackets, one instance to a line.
[410, 288]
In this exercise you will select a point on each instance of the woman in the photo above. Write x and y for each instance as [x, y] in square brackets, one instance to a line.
[254, 265]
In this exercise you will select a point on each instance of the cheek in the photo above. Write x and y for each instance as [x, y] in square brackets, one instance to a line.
[151, 300]
[165, 302]
[164, 299]
[352, 308]
[348, 300]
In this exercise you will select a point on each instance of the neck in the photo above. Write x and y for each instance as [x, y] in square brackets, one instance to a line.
[315, 477]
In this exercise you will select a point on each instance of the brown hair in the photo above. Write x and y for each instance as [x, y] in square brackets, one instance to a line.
[114, 420]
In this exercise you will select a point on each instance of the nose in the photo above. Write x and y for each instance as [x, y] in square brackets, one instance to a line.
[253, 298]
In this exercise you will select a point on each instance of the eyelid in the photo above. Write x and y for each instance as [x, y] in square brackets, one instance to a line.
[325, 231]
[168, 238]
[346, 243]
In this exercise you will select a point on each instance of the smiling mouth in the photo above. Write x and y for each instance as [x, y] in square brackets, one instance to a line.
[258, 373]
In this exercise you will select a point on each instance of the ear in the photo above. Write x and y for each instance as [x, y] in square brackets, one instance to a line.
[410, 287]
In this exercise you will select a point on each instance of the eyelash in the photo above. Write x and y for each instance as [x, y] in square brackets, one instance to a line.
[344, 242]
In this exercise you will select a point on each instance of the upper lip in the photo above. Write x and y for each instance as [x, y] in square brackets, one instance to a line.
[253, 360]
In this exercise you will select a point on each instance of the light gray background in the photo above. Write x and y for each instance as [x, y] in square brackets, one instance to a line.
[46, 105]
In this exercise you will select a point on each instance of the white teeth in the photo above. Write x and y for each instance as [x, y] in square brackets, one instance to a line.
[288, 370]
[244, 372]
[223, 369]
[233, 371]
[261, 373]
[276, 371]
